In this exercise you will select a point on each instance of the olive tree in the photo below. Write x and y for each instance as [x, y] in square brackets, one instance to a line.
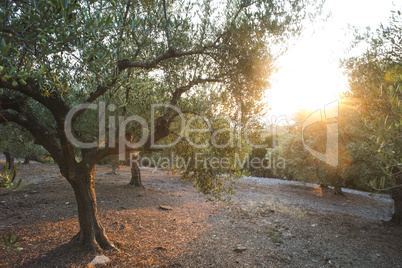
[63, 62]
[375, 82]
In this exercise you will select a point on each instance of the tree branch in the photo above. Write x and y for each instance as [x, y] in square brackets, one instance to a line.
[94, 156]
[100, 90]
[38, 131]
[180, 90]
[170, 53]
[54, 103]
[162, 126]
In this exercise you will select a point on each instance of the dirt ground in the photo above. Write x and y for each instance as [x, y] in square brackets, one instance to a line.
[267, 224]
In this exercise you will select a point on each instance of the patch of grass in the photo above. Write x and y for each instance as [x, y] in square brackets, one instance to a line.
[276, 238]
[267, 208]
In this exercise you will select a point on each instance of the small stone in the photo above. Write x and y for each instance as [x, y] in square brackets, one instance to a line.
[165, 207]
[240, 248]
[67, 203]
[100, 259]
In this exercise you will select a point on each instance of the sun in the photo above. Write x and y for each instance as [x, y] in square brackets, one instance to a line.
[308, 87]
[309, 77]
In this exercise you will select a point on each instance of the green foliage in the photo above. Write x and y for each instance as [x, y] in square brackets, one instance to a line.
[266, 169]
[8, 179]
[210, 155]
[276, 237]
[376, 92]
[10, 242]
[357, 164]
[300, 164]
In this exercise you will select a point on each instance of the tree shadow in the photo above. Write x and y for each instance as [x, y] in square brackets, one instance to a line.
[65, 255]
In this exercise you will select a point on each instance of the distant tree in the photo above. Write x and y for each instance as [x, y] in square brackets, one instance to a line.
[17, 142]
[266, 168]
[354, 168]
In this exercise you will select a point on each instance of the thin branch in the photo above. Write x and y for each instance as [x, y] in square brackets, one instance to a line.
[167, 25]
[122, 29]
[126, 63]
[243, 6]
[388, 188]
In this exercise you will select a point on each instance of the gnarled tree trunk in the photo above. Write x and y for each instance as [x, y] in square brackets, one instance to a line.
[135, 175]
[397, 197]
[9, 160]
[91, 231]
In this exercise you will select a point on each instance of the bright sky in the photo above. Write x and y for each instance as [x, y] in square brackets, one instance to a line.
[309, 76]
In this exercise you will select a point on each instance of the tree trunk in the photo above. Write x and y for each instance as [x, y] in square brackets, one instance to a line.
[26, 161]
[135, 175]
[9, 160]
[115, 164]
[338, 190]
[397, 196]
[91, 231]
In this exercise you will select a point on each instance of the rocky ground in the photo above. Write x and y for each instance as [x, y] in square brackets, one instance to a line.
[268, 223]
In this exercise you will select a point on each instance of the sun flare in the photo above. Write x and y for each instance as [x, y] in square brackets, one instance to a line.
[309, 76]
[309, 86]
[307, 79]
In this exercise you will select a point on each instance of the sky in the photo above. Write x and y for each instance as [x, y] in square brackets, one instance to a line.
[309, 76]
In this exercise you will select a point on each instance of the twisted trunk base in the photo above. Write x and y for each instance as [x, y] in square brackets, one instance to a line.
[91, 231]
[397, 197]
[135, 175]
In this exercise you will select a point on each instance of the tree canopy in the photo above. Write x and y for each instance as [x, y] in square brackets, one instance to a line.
[376, 92]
